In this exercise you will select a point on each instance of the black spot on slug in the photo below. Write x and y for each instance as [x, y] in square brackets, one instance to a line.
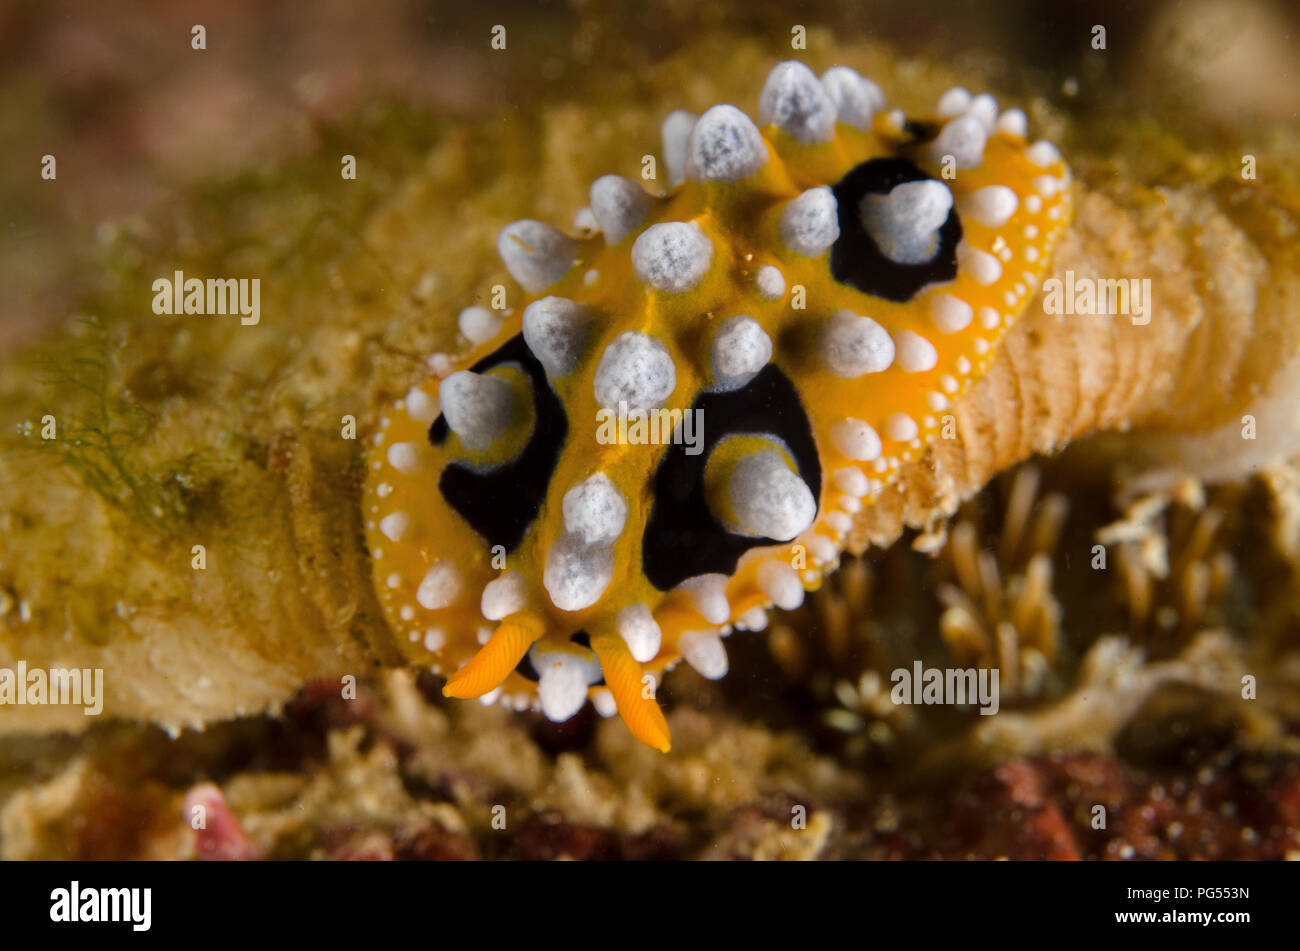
[855, 258]
[682, 538]
[501, 503]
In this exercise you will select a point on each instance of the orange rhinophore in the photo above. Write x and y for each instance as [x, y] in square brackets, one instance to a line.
[676, 429]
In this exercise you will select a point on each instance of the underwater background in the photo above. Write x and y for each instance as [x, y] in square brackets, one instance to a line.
[1120, 688]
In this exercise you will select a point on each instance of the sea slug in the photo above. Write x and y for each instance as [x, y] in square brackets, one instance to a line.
[817, 289]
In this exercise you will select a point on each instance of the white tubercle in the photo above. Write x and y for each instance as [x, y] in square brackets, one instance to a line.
[562, 681]
[856, 98]
[781, 584]
[950, 314]
[504, 596]
[709, 595]
[676, 133]
[985, 108]
[901, 427]
[555, 331]
[478, 408]
[395, 526]
[576, 575]
[704, 651]
[1013, 122]
[796, 103]
[769, 499]
[739, 350]
[536, 254]
[905, 223]
[420, 406]
[639, 630]
[408, 458]
[770, 282]
[852, 480]
[478, 324]
[915, 354]
[594, 511]
[810, 222]
[992, 205]
[635, 369]
[585, 223]
[672, 256]
[440, 586]
[725, 147]
[604, 703]
[856, 439]
[964, 139]
[852, 345]
[953, 102]
[619, 206]
[981, 265]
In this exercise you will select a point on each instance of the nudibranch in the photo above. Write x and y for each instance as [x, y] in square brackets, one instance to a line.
[811, 293]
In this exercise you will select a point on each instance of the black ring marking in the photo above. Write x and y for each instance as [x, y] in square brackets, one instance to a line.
[682, 538]
[855, 258]
[502, 502]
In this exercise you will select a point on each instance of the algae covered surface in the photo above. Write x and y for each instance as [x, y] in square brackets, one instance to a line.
[192, 523]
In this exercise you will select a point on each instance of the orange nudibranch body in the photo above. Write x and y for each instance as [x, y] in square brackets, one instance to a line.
[699, 392]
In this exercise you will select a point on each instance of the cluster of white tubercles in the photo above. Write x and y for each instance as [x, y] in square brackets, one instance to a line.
[905, 223]
[724, 146]
[580, 564]
[971, 120]
[478, 408]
